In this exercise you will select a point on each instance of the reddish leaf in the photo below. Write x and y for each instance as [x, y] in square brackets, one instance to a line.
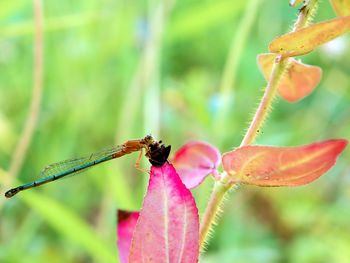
[168, 225]
[194, 161]
[307, 39]
[126, 225]
[282, 166]
[299, 81]
[341, 7]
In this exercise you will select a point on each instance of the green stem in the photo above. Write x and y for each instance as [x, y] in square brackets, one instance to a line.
[221, 187]
[213, 209]
[279, 67]
[224, 185]
[305, 14]
[266, 102]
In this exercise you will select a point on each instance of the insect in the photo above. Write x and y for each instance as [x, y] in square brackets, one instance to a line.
[156, 152]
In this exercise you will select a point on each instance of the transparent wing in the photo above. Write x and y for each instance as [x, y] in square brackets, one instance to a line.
[66, 165]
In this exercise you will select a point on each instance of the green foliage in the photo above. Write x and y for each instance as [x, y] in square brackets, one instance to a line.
[67, 223]
[94, 55]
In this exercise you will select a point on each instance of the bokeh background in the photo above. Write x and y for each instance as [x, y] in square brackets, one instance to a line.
[181, 70]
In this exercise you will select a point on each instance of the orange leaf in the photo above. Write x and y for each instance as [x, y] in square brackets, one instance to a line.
[282, 166]
[341, 7]
[299, 81]
[306, 39]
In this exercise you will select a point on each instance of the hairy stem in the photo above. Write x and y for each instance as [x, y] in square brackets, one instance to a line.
[280, 65]
[266, 101]
[213, 209]
[305, 14]
[224, 185]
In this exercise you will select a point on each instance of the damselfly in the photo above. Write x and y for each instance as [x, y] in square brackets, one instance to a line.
[156, 152]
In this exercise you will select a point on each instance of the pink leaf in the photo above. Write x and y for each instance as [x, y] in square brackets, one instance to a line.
[168, 225]
[282, 166]
[194, 161]
[126, 225]
[298, 82]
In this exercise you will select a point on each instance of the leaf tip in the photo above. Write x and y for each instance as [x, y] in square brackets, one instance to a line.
[341, 144]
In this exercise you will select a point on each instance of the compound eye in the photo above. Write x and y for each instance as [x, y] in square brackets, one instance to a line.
[160, 155]
[153, 147]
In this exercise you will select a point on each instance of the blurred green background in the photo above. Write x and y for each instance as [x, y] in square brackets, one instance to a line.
[117, 70]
